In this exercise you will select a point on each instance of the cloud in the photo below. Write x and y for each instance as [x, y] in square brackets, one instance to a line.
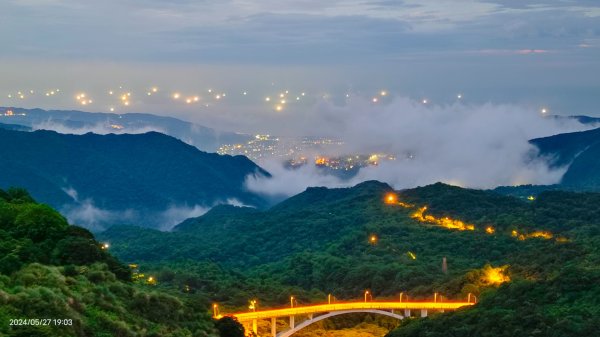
[480, 146]
[86, 214]
[97, 128]
[174, 215]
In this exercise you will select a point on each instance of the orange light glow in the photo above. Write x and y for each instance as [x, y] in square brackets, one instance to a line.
[412, 255]
[321, 161]
[490, 230]
[540, 234]
[537, 234]
[391, 198]
[373, 239]
[495, 275]
[445, 222]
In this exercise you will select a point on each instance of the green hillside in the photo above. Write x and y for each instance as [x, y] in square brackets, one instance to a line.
[343, 241]
[62, 277]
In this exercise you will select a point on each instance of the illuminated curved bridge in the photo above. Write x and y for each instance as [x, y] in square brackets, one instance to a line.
[315, 313]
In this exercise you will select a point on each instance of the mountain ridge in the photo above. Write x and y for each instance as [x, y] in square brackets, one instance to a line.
[142, 172]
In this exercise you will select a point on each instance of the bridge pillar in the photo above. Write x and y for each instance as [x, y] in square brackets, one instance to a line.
[273, 327]
[406, 312]
[423, 312]
[255, 326]
[292, 325]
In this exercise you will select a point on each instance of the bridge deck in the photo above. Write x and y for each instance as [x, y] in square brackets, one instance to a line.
[313, 309]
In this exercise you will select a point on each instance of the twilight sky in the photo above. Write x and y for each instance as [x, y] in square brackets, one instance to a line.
[532, 53]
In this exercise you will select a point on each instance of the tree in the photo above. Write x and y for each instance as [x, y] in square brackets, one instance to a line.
[39, 223]
[229, 327]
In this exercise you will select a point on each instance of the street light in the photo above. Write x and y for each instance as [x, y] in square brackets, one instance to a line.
[367, 293]
[469, 298]
[252, 305]
[329, 297]
[215, 310]
[292, 299]
[435, 295]
[402, 294]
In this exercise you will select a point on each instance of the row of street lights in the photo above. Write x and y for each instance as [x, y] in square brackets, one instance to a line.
[367, 297]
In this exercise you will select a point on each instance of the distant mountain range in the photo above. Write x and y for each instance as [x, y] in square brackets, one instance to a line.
[80, 122]
[580, 151]
[141, 179]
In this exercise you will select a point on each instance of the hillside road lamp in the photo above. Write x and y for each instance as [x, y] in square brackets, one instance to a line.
[292, 300]
[215, 310]
[330, 298]
[402, 295]
[471, 296]
[435, 297]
